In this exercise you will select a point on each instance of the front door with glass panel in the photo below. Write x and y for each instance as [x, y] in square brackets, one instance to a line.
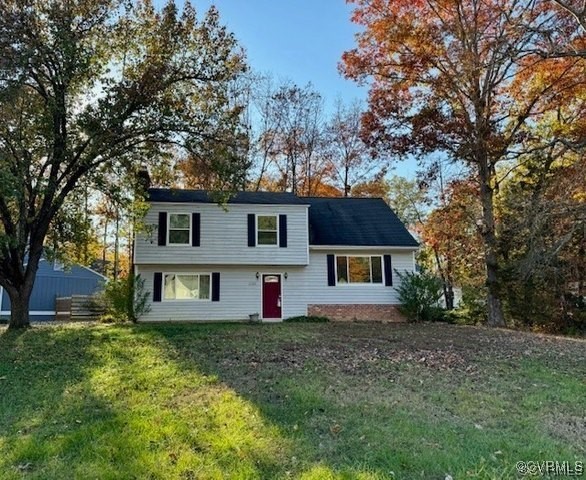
[271, 296]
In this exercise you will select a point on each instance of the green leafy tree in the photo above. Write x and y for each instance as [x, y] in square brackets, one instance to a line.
[86, 84]
[125, 299]
[543, 241]
[408, 200]
[419, 294]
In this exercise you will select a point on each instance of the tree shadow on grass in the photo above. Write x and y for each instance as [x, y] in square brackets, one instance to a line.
[105, 403]
[228, 401]
[53, 423]
[327, 436]
[343, 415]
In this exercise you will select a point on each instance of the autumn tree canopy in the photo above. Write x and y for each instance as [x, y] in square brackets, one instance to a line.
[462, 78]
[85, 85]
[348, 157]
[296, 144]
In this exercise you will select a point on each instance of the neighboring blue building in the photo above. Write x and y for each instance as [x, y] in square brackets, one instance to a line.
[54, 280]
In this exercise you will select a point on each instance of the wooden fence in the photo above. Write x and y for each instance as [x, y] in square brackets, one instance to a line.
[77, 308]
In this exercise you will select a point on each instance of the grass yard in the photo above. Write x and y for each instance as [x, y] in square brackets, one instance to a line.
[306, 401]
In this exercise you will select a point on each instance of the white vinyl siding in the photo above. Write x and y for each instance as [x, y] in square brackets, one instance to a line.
[224, 237]
[240, 294]
[240, 290]
[317, 291]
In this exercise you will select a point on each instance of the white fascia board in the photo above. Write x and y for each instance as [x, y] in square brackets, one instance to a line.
[93, 271]
[362, 248]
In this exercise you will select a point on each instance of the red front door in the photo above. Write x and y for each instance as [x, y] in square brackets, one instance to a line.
[271, 296]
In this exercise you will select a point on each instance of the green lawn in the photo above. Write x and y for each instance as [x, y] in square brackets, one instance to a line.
[308, 401]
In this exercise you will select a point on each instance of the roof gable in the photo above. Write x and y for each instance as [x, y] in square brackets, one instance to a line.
[47, 269]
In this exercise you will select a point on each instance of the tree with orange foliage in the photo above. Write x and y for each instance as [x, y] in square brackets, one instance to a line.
[378, 187]
[451, 233]
[459, 78]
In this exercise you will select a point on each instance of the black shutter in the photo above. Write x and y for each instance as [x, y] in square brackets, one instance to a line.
[283, 231]
[331, 271]
[388, 271]
[251, 230]
[162, 228]
[195, 229]
[215, 287]
[157, 286]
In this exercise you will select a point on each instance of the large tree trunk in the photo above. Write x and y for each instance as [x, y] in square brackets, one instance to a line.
[23, 280]
[496, 317]
[19, 307]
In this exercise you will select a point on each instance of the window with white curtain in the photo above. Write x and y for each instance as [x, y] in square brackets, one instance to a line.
[187, 286]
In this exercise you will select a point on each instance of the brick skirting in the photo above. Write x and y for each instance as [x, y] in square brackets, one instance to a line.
[357, 313]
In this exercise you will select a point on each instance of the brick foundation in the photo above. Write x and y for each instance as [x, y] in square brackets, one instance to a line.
[357, 313]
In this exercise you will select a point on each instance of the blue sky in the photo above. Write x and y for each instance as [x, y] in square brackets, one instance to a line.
[298, 40]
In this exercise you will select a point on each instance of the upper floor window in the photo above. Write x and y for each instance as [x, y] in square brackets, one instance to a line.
[179, 228]
[187, 286]
[359, 269]
[267, 230]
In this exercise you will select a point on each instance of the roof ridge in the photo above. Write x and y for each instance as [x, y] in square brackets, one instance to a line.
[184, 195]
[213, 191]
[328, 197]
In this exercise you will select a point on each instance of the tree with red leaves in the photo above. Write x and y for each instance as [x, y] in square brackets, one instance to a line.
[462, 78]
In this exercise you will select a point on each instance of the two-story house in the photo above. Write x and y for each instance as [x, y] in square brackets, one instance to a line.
[275, 254]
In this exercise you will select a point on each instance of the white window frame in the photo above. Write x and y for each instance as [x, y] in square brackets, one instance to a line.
[277, 230]
[199, 274]
[182, 229]
[369, 284]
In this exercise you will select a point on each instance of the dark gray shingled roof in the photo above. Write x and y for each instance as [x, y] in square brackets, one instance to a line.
[355, 221]
[173, 195]
[332, 221]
